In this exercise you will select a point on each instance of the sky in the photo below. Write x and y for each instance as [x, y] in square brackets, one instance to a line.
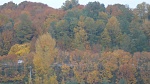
[58, 3]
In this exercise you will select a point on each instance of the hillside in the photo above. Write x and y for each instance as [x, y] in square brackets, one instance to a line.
[89, 44]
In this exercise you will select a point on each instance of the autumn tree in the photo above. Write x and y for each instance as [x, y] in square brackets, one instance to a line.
[125, 44]
[92, 9]
[6, 34]
[53, 80]
[124, 18]
[3, 21]
[146, 29]
[103, 16]
[142, 8]
[105, 38]
[9, 69]
[148, 14]
[90, 28]
[65, 72]
[63, 34]
[80, 37]
[118, 64]
[85, 66]
[54, 16]
[6, 39]
[87, 38]
[138, 38]
[93, 77]
[69, 4]
[113, 28]
[44, 58]
[20, 49]
[73, 14]
[143, 62]
[113, 10]
[25, 31]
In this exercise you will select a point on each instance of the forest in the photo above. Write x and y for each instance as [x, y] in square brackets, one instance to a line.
[75, 44]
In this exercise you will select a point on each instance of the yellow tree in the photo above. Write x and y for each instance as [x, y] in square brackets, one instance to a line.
[146, 29]
[80, 38]
[65, 71]
[143, 65]
[105, 38]
[118, 64]
[114, 31]
[85, 66]
[53, 80]
[80, 35]
[44, 58]
[93, 77]
[6, 41]
[20, 49]
[109, 64]
[3, 20]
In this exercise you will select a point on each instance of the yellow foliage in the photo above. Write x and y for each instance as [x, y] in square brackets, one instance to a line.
[79, 75]
[44, 56]
[112, 61]
[93, 77]
[81, 21]
[103, 15]
[65, 69]
[50, 19]
[20, 49]
[3, 20]
[37, 80]
[26, 12]
[131, 81]
[80, 38]
[53, 80]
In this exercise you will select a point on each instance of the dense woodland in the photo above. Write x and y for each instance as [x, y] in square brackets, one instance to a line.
[76, 44]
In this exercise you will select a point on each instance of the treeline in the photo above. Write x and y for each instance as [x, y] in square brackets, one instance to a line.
[90, 44]
[114, 27]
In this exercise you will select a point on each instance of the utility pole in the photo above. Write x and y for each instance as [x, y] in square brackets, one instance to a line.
[30, 75]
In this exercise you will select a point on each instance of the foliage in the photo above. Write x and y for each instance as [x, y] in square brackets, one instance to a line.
[20, 49]
[86, 44]
[69, 4]
[44, 57]
[80, 38]
[24, 32]
[92, 9]
[105, 38]
[113, 28]
[9, 69]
